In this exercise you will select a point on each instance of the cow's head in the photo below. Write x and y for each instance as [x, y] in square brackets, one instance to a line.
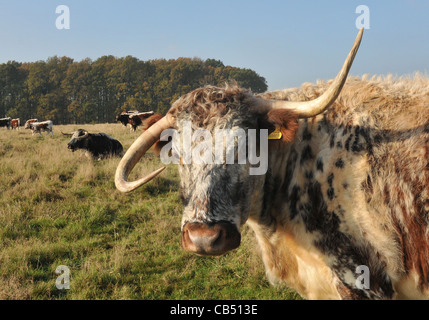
[219, 197]
[79, 140]
[28, 123]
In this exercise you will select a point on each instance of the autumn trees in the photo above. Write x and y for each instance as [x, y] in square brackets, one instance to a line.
[68, 91]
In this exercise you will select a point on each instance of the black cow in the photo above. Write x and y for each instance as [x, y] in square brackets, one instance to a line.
[5, 122]
[97, 145]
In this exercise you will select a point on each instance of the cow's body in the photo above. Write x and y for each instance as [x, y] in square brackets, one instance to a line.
[346, 190]
[15, 123]
[124, 117]
[352, 189]
[38, 127]
[138, 119]
[133, 118]
[5, 122]
[96, 145]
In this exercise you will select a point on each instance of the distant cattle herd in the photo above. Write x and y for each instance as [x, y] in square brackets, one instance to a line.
[10, 123]
[96, 145]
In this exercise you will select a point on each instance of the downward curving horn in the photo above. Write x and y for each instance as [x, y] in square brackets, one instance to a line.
[308, 109]
[85, 135]
[136, 151]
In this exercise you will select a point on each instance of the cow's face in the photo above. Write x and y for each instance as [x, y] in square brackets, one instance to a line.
[217, 199]
[79, 140]
[219, 189]
[219, 196]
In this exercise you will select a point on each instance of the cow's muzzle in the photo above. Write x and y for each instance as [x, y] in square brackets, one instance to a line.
[210, 239]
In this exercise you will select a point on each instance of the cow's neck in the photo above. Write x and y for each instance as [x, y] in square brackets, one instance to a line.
[288, 253]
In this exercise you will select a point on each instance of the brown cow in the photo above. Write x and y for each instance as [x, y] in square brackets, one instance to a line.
[15, 123]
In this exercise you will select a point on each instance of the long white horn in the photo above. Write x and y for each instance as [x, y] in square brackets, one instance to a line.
[136, 151]
[308, 109]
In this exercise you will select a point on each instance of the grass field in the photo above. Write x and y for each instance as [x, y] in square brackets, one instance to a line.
[60, 208]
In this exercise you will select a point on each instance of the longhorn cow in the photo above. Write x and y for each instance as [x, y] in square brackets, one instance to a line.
[15, 123]
[96, 145]
[38, 127]
[134, 119]
[347, 185]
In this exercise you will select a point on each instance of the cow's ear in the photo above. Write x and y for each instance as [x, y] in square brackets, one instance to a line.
[281, 124]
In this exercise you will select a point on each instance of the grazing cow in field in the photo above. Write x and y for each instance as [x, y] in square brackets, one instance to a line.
[124, 117]
[27, 123]
[5, 122]
[38, 127]
[15, 123]
[138, 119]
[96, 145]
[342, 211]
[133, 118]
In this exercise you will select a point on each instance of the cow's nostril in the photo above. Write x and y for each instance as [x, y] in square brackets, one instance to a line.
[204, 238]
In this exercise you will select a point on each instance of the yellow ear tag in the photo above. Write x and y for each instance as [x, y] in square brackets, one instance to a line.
[275, 135]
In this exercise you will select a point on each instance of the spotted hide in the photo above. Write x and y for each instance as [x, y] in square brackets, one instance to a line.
[353, 190]
[38, 127]
[138, 119]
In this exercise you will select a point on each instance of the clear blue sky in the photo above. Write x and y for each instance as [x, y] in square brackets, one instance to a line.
[287, 42]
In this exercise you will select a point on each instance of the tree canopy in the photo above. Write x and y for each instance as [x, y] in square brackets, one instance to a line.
[67, 91]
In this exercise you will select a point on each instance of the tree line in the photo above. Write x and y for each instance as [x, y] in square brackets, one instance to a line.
[67, 91]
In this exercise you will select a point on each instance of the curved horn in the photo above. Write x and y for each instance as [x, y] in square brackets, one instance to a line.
[67, 134]
[85, 135]
[308, 109]
[136, 151]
